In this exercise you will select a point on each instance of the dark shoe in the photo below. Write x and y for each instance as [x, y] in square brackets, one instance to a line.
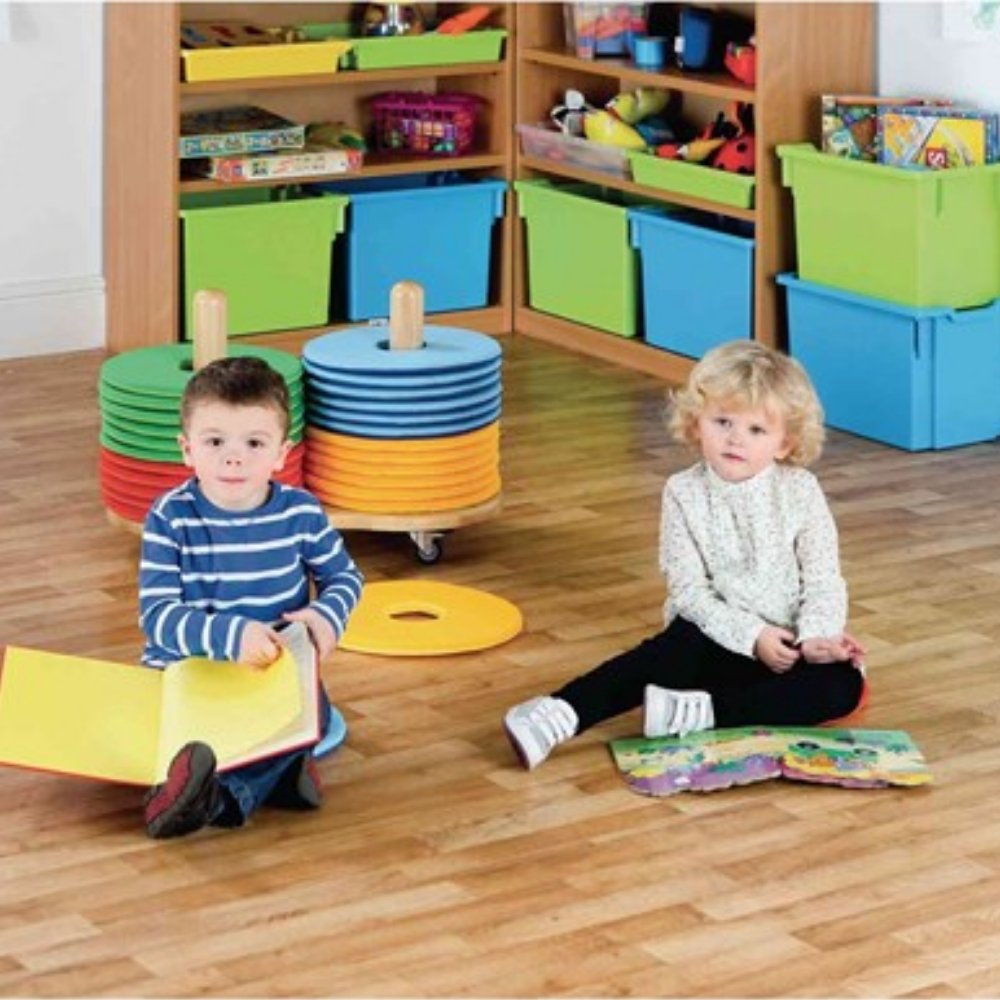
[189, 799]
[300, 786]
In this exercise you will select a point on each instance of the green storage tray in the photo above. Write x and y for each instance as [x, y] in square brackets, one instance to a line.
[429, 49]
[914, 237]
[271, 258]
[694, 179]
[581, 264]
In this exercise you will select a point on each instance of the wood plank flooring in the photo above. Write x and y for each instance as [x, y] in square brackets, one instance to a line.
[437, 867]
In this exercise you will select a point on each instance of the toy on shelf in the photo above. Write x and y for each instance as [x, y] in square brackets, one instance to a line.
[140, 394]
[630, 119]
[726, 143]
[464, 21]
[569, 115]
[442, 124]
[386, 20]
[604, 29]
[403, 428]
[741, 60]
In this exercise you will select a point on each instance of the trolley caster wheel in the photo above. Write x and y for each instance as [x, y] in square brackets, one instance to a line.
[427, 548]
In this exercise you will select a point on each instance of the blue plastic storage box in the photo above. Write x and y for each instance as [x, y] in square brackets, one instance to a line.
[915, 378]
[697, 280]
[438, 236]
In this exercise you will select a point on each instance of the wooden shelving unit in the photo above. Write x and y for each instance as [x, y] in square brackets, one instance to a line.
[145, 98]
[803, 50]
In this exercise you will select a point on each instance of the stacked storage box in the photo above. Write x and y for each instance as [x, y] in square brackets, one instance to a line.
[410, 228]
[894, 312]
[270, 254]
[681, 279]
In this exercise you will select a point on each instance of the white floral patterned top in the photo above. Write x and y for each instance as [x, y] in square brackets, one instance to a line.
[739, 556]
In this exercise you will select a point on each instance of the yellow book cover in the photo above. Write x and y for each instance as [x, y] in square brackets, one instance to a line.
[122, 722]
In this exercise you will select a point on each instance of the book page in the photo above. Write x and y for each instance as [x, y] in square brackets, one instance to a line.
[79, 716]
[238, 711]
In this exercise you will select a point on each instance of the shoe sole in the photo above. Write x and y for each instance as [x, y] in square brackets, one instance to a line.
[516, 747]
[180, 790]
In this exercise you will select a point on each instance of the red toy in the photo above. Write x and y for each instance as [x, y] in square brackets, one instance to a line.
[741, 61]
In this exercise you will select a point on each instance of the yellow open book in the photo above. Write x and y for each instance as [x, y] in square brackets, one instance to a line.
[120, 722]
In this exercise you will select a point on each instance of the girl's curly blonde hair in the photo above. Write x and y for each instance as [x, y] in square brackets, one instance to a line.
[748, 375]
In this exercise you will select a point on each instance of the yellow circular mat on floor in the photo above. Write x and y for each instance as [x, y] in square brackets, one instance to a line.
[424, 618]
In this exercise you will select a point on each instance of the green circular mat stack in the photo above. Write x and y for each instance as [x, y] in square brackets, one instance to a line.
[140, 398]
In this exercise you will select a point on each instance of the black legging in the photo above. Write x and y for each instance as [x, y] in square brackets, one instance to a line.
[744, 691]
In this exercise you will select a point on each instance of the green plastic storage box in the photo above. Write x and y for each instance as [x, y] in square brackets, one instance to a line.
[694, 179]
[271, 258]
[399, 51]
[581, 264]
[914, 237]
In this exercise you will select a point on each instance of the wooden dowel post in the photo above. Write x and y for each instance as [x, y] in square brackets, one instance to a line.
[210, 327]
[406, 316]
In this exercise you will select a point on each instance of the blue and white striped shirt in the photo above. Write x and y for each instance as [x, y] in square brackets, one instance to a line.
[206, 572]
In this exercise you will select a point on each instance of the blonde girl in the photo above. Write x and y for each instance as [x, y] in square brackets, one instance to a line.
[756, 605]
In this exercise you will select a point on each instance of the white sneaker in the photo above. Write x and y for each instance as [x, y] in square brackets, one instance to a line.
[537, 726]
[676, 713]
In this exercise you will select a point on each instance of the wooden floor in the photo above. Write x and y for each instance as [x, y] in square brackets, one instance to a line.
[437, 867]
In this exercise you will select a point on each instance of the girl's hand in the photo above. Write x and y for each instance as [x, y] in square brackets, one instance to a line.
[775, 648]
[259, 646]
[320, 631]
[836, 649]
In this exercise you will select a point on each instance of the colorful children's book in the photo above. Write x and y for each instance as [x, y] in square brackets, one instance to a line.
[720, 758]
[937, 138]
[121, 722]
[312, 161]
[241, 129]
[850, 122]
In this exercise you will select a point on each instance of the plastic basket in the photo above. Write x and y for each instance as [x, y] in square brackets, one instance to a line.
[430, 124]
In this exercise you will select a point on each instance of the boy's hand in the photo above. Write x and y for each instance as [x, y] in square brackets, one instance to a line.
[320, 630]
[775, 648]
[259, 646]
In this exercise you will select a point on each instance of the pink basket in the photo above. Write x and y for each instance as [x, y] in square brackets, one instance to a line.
[429, 124]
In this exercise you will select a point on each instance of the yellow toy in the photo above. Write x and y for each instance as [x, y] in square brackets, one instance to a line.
[625, 118]
[607, 128]
[633, 106]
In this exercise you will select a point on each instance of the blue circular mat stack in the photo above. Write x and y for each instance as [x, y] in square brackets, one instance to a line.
[403, 431]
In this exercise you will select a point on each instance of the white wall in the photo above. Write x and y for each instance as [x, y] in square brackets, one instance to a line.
[51, 283]
[923, 51]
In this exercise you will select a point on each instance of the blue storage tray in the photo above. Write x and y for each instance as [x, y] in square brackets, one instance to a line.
[916, 378]
[438, 236]
[697, 279]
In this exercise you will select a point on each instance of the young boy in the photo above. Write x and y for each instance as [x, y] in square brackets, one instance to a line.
[226, 557]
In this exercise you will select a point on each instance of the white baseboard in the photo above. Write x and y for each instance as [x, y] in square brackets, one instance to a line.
[51, 317]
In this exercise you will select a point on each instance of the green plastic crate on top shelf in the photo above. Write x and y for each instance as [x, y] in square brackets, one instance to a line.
[694, 179]
[427, 49]
[914, 237]
[271, 256]
[581, 264]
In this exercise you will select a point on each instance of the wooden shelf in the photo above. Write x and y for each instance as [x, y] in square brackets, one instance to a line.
[375, 166]
[342, 78]
[804, 50]
[597, 178]
[595, 343]
[718, 85]
[145, 100]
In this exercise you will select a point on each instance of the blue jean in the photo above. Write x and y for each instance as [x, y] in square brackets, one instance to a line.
[251, 786]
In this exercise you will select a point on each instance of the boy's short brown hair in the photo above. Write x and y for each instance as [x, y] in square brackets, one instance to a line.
[238, 381]
[749, 374]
